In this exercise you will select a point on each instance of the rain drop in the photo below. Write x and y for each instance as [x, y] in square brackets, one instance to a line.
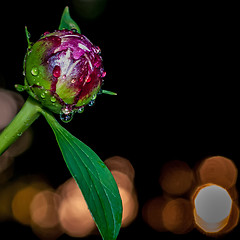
[56, 71]
[94, 97]
[43, 95]
[53, 99]
[91, 103]
[34, 71]
[80, 110]
[103, 74]
[66, 117]
[88, 79]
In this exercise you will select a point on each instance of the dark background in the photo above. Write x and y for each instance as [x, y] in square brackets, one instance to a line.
[175, 69]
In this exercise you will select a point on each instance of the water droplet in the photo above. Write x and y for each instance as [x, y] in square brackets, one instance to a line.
[53, 99]
[19, 134]
[94, 97]
[91, 103]
[73, 80]
[66, 117]
[97, 50]
[34, 71]
[56, 71]
[103, 74]
[43, 95]
[74, 30]
[66, 110]
[88, 79]
[80, 110]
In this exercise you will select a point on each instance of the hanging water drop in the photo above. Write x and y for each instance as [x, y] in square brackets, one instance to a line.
[66, 117]
[94, 97]
[34, 71]
[56, 71]
[80, 110]
[91, 103]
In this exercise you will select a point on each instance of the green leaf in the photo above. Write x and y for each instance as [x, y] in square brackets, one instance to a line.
[94, 179]
[67, 22]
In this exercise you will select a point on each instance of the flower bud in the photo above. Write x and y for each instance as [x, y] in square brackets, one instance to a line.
[64, 71]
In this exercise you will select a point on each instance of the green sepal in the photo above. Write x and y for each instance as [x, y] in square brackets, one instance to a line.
[108, 92]
[28, 35]
[67, 22]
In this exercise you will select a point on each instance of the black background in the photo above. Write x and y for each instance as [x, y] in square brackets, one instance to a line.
[175, 69]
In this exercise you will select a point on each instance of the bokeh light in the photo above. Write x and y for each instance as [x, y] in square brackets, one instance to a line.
[8, 108]
[218, 170]
[22, 200]
[124, 173]
[177, 216]
[193, 199]
[212, 207]
[152, 213]
[176, 177]
[10, 104]
[74, 216]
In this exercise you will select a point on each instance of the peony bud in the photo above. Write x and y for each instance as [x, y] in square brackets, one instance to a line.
[64, 71]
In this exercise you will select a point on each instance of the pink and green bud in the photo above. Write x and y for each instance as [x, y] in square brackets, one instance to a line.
[64, 71]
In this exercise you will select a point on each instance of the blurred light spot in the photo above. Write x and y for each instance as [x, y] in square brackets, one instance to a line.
[89, 9]
[124, 173]
[232, 221]
[176, 177]
[130, 206]
[177, 216]
[74, 215]
[43, 209]
[123, 181]
[21, 145]
[218, 170]
[28, 187]
[8, 108]
[21, 204]
[152, 213]
[5, 162]
[44, 215]
[212, 207]
[7, 193]
[122, 165]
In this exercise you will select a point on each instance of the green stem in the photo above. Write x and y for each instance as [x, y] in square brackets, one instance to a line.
[26, 116]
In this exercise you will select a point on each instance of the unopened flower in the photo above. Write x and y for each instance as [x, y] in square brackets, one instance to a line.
[64, 71]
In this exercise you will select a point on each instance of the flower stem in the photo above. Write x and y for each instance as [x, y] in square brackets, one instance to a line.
[26, 116]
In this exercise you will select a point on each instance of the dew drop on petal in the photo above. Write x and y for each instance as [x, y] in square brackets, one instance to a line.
[88, 79]
[53, 99]
[56, 71]
[43, 95]
[34, 71]
[103, 74]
